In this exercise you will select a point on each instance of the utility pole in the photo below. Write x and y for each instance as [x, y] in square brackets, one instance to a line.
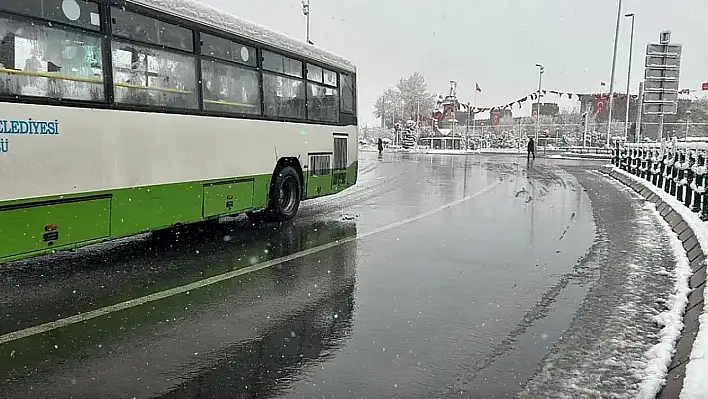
[612, 76]
[629, 75]
[467, 130]
[587, 123]
[639, 112]
[538, 102]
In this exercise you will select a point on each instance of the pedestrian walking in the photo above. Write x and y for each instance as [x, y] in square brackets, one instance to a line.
[531, 149]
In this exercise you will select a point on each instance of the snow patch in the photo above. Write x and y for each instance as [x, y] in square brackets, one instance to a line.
[695, 384]
[659, 356]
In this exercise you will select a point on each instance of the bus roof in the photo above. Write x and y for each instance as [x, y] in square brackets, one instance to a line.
[201, 13]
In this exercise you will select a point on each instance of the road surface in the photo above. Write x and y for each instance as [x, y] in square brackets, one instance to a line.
[436, 276]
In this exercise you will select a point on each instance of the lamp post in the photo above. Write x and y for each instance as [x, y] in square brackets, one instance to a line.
[306, 13]
[612, 75]
[629, 75]
[538, 102]
[688, 121]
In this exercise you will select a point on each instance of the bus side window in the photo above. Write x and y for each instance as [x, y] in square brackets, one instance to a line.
[284, 97]
[43, 61]
[229, 88]
[322, 103]
[148, 76]
[322, 94]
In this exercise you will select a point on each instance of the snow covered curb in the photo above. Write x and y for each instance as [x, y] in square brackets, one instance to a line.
[660, 355]
[695, 383]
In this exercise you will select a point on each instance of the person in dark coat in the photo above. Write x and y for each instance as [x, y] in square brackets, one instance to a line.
[380, 146]
[531, 149]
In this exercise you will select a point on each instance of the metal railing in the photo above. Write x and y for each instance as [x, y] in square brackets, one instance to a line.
[678, 168]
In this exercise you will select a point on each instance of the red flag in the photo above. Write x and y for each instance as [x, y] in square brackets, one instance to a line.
[599, 104]
[477, 87]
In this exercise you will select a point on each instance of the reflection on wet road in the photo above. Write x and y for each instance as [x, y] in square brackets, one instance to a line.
[436, 276]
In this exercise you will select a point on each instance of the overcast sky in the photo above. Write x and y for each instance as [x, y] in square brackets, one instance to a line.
[495, 42]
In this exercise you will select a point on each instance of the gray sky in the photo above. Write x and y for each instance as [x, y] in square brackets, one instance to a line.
[495, 42]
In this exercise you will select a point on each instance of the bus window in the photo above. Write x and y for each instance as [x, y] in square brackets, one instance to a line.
[284, 97]
[147, 30]
[330, 78]
[43, 61]
[229, 88]
[148, 76]
[348, 93]
[314, 73]
[81, 13]
[322, 103]
[277, 63]
[227, 50]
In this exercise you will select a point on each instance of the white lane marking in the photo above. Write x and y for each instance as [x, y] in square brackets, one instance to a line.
[81, 317]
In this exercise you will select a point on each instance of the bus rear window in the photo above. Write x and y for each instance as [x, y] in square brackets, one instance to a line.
[348, 93]
[81, 13]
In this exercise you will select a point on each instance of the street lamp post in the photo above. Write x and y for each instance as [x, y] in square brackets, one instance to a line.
[629, 75]
[306, 12]
[538, 102]
[612, 75]
[688, 121]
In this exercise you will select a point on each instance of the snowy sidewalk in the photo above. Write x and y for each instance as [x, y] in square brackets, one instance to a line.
[687, 374]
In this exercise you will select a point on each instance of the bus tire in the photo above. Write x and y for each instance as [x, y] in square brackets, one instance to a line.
[284, 196]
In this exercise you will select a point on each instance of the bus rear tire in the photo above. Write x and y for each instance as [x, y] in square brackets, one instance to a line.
[284, 196]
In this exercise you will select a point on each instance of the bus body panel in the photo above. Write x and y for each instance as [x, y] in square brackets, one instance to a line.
[158, 170]
[99, 149]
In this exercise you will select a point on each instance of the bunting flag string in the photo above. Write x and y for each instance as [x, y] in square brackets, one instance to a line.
[542, 93]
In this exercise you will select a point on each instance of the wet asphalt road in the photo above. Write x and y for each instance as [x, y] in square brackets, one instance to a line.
[436, 276]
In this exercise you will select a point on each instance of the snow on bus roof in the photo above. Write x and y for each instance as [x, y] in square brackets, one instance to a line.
[199, 12]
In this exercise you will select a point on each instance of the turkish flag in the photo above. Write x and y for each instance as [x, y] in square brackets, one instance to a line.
[600, 104]
[704, 86]
[495, 116]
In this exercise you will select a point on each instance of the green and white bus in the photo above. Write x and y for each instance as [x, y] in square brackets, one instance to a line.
[122, 117]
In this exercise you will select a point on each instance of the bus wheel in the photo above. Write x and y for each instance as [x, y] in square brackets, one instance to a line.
[284, 197]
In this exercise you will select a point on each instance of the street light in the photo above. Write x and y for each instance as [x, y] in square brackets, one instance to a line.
[629, 74]
[306, 13]
[538, 101]
[612, 77]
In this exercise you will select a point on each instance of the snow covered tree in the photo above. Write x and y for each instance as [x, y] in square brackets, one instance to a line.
[405, 101]
[388, 106]
[414, 93]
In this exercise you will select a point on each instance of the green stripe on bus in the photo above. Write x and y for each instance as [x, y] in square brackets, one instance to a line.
[38, 226]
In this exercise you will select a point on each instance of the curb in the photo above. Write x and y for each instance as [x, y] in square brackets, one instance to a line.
[694, 308]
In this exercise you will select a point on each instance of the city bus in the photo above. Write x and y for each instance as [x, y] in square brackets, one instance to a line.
[124, 117]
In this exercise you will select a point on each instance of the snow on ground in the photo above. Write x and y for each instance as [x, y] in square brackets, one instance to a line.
[659, 356]
[695, 384]
[620, 342]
